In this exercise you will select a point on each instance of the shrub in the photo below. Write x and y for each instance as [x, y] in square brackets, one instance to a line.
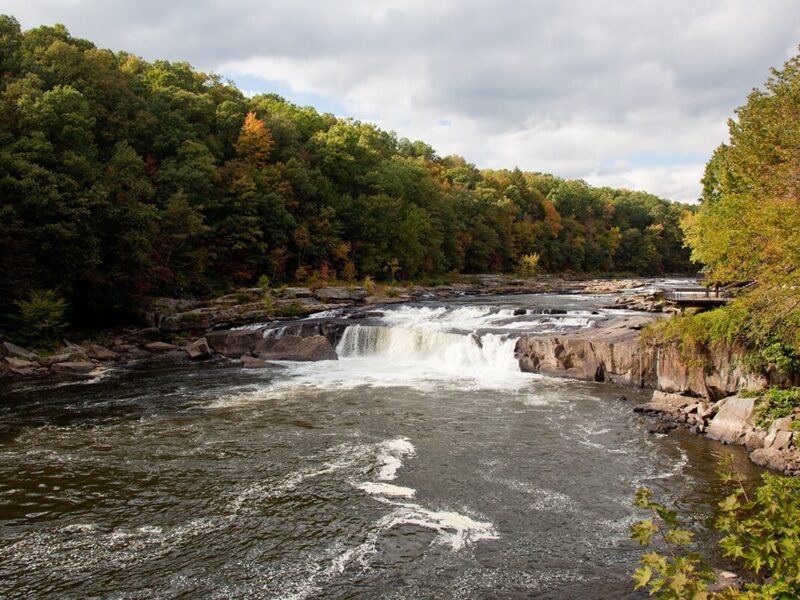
[528, 264]
[777, 404]
[41, 318]
[369, 285]
[293, 309]
[762, 534]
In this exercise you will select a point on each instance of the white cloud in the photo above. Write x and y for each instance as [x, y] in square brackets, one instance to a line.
[566, 87]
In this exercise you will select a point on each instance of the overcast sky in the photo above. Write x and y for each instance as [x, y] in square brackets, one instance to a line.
[633, 94]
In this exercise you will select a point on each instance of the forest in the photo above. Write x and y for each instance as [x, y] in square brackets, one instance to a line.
[122, 179]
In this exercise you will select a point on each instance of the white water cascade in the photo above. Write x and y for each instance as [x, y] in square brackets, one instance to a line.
[450, 352]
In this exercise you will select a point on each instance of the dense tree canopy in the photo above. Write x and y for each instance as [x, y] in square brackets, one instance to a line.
[121, 179]
[747, 228]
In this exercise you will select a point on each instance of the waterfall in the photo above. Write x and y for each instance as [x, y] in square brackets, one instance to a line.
[448, 351]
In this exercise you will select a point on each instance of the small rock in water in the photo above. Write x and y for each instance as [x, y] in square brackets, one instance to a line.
[663, 428]
[520, 311]
[622, 398]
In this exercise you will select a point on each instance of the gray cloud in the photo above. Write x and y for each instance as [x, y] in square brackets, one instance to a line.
[566, 87]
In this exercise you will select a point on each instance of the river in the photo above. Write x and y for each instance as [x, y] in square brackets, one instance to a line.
[421, 464]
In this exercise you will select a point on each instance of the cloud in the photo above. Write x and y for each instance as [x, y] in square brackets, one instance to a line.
[565, 87]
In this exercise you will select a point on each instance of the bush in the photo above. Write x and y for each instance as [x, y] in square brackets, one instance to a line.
[41, 318]
[777, 404]
[762, 534]
[369, 285]
[528, 264]
[293, 309]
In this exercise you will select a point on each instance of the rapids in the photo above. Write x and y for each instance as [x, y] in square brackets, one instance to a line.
[421, 464]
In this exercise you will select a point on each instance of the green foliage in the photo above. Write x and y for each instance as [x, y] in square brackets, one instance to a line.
[293, 309]
[41, 317]
[747, 228]
[761, 534]
[776, 404]
[677, 575]
[695, 334]
[369, 285]
[122, 179]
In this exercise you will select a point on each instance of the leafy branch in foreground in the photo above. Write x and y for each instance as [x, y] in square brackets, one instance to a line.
[762, 535]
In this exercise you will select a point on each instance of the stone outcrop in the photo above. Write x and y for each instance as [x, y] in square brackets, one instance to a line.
[721, 376]
[338, 294]
[609, 353]
[293, 347]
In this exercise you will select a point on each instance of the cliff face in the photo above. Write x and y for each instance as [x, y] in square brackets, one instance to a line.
[612, 352]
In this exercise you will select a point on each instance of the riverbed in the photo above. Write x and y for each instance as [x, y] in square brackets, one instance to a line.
[421, 464]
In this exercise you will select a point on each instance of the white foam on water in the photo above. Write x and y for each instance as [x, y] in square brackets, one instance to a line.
[391, 452]
[387, 489]
[453, 529]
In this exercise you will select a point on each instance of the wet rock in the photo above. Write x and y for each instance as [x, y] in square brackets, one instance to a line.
[520, 311]
[372, 314]
[99, 352]
[292, 347]
[251, 362]
[665, 404]
[14, 351]
[160, 347]
[662, 427]
[72, 367]
[622, 398]
[198, 350]
[65, 355]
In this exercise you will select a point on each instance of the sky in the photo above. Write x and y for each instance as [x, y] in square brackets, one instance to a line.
[631, 94]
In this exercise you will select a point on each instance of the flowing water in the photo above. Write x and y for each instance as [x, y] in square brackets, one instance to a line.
[422, 464]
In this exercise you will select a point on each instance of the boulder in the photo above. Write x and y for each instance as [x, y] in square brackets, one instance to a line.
[733, 420]
[72, 367]
[662, 428]
[20, 366]
[251, 362]
[160, 347]
[339, 294]
[772, 458]
[65, 355]
[99, 352]
[14, 351]
[199, 350]
[292, 347]
[234, 343]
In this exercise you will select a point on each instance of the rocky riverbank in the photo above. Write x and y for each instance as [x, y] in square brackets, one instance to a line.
[700, 397]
